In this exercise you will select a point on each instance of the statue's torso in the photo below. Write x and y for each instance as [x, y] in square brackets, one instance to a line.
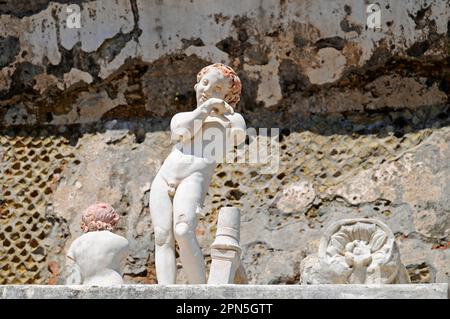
[101, 256]
[199, 154]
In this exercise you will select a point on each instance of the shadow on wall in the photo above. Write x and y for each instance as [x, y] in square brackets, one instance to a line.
[398, 96]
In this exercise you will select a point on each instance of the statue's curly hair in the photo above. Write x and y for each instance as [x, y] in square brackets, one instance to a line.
[99, 216]
[234, 94]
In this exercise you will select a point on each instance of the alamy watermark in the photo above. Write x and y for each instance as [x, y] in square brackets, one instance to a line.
[73, 20]
[374, 16]
[373, 21]
[227, 145]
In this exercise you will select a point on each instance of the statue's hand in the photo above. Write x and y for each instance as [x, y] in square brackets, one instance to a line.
[219, 106]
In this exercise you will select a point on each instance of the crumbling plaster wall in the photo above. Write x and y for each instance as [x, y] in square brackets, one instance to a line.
[284, 49]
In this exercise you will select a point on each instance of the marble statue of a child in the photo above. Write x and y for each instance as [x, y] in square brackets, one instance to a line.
[178, 190]
[97, 257]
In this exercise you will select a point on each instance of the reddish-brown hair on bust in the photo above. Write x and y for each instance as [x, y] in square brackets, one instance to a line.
[99, 216]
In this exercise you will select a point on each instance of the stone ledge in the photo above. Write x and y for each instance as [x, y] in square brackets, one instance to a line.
[422, 291]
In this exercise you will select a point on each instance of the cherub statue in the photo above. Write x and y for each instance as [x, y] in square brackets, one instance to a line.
[97, 257]
[178, 190]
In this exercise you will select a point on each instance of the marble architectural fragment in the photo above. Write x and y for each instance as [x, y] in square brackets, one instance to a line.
[355, 251]
[226, 265]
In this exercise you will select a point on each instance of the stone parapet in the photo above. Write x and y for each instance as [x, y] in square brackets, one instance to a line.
[418, 291]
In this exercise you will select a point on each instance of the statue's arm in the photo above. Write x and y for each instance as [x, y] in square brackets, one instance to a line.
[238, 127]
[185, 125]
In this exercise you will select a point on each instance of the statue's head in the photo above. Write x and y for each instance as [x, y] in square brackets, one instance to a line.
[99, 216]
[218, 81]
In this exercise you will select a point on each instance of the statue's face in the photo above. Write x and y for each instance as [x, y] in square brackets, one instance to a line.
[213, 84]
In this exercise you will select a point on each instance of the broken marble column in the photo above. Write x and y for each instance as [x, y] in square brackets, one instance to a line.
[98, 257]
[226, 265]
[355, 251]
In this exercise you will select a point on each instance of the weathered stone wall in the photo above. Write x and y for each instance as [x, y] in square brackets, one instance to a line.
[364, 117]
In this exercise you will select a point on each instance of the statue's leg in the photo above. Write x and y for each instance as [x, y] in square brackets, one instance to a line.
[188, 199]
[161, 212]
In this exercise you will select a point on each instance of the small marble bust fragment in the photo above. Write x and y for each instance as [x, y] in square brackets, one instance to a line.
[98, 256]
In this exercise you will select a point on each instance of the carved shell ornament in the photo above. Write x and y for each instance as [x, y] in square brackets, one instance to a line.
[357, 238]
[367, 246]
